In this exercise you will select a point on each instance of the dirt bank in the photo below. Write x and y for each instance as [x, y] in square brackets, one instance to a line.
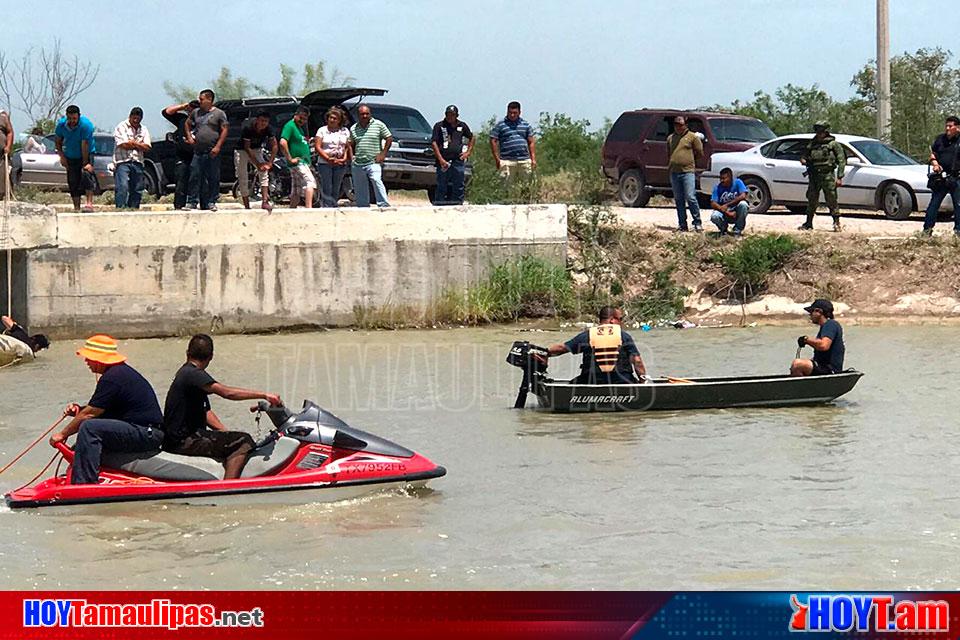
[889, 278]
[780, 220]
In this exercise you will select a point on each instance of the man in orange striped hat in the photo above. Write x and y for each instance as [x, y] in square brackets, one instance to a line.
[610, 356]
[122, 416]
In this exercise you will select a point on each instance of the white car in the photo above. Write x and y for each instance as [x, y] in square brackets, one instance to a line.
[877, 176]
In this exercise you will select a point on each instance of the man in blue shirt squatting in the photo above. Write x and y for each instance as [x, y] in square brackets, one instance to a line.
[828, 349]
[610, 356]
[123, 415]
[729, 203]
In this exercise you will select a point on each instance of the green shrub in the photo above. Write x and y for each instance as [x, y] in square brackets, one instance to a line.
[568, 169]
[527, 287]
[663, 300]
[749, 264]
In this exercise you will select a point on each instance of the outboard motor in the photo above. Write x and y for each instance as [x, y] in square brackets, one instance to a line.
[533, 360]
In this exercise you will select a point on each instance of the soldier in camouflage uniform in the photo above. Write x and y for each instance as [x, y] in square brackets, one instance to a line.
[825, 162]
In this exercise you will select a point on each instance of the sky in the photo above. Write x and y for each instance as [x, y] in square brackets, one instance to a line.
[590, 60]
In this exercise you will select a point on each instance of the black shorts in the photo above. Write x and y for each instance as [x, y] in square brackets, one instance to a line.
[218, 445]
[821, 370]
[78, 180]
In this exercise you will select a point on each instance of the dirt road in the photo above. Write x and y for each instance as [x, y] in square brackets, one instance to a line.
[872, 224]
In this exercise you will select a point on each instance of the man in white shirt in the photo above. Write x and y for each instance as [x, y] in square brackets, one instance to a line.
[131, 142]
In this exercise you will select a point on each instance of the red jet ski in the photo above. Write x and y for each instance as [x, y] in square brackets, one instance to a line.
[311, 456]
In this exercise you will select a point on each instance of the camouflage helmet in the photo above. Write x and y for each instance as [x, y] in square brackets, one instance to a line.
[821, 124]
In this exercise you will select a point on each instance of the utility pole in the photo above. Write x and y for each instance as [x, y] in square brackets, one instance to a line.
[883, 71]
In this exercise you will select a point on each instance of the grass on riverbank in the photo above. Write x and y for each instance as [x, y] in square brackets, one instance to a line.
[526, 287]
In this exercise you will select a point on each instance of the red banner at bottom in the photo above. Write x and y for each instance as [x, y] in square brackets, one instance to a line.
[105, 615]
[209, 615]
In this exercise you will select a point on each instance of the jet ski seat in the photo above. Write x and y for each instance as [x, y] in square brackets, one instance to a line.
[165, 466]
[171, 467]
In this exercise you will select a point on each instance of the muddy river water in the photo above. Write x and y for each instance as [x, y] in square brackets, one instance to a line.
[857, 493]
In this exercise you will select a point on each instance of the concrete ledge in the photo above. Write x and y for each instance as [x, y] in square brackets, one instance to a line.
[305, 226]
[29, 226]
[157, 274]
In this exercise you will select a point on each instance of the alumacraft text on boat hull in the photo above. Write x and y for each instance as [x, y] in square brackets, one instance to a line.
[694, 393]
[312, 456]
[671, 394]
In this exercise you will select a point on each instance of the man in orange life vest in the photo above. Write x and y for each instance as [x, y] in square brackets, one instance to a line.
[610, 355]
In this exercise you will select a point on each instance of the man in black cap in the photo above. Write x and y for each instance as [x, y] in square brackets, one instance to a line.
[828, 346]
[451, 154]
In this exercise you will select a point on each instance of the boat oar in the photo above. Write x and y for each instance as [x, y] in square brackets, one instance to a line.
[34, 443]
[678, 380]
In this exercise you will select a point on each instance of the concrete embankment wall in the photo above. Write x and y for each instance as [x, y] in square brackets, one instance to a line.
[172, 273]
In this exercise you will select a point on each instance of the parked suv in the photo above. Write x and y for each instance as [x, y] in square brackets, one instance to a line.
[634, 155]
[409, 164]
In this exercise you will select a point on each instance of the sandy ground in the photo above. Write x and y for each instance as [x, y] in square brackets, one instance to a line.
[869, 223]
[664, 217]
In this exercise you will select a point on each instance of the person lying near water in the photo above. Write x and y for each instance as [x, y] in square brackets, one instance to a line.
[610, 356]
[828, 348]
[191, 426]
[37, 342]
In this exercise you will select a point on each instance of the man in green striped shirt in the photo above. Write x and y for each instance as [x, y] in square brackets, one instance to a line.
[370, 139]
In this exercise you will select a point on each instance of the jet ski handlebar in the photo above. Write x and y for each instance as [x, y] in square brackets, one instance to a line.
[278, 416]
[263, 405]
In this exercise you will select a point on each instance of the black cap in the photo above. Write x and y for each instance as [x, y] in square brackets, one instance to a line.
[452, 108]
[823, 305]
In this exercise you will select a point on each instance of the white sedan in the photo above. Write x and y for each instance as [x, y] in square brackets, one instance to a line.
[877, 176]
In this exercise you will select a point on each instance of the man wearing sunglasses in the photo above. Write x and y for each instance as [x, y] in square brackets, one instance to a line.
[828, 348]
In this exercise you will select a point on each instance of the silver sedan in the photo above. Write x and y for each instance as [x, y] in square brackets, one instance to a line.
[877, 176]
[45, 171]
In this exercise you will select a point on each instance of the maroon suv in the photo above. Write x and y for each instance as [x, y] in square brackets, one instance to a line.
[634, 154]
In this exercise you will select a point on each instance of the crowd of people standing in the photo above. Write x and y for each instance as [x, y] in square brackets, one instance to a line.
[321, 160]
[315, 161]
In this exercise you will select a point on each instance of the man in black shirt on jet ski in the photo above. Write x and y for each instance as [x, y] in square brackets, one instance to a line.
[191, 426]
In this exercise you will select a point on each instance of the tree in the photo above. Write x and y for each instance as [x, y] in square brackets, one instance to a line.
[793, 109]
[229, 86]
[44, 81]
[924, 90]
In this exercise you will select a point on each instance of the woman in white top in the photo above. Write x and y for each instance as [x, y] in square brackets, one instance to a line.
[333, 155]
[34, 143]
